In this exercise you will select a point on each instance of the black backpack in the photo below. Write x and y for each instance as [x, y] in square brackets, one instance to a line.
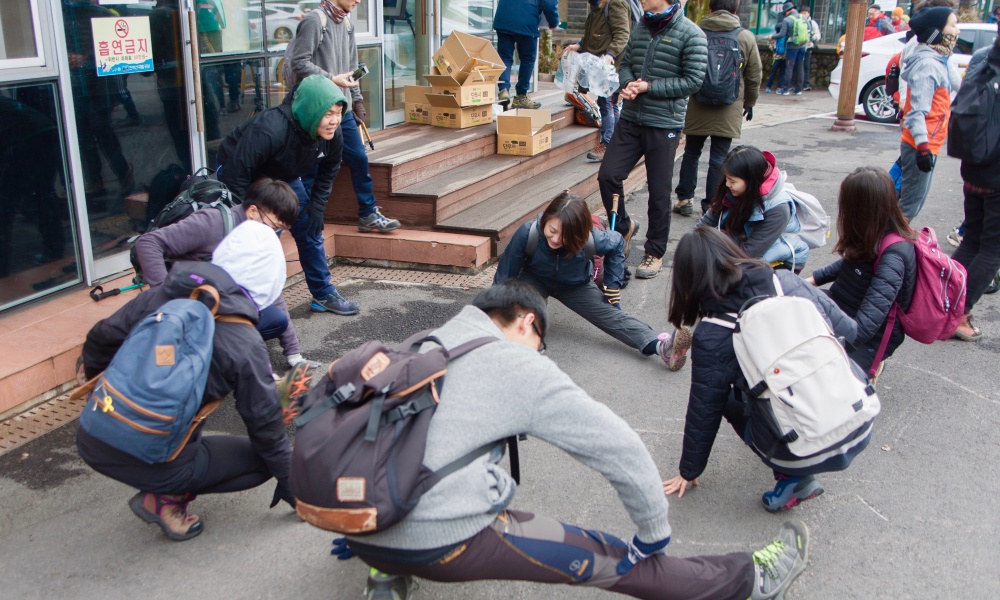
[358, 462]
[198, 192]
[725, 67]
[974, 127]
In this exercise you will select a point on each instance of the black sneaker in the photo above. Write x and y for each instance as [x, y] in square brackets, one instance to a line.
[382, 586]
[336, 304]
[777, 564]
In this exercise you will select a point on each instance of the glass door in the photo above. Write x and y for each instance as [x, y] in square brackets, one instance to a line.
[127, 75]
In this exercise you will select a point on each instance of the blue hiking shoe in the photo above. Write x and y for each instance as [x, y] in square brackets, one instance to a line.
[336, 304]
[790, 491]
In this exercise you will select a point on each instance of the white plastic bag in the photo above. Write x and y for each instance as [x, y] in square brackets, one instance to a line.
[568, 71]
[587, 71]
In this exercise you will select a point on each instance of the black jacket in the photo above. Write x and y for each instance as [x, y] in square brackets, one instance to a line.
[240, 360]
[273, 144]
[715, 372]
[866, 295]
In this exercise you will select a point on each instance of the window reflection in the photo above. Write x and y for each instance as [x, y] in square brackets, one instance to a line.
[232, 92]
[17, 33]
[37, 251]
[228, 26]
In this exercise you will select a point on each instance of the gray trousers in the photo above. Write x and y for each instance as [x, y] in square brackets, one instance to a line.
[588, 302]
[916, 183]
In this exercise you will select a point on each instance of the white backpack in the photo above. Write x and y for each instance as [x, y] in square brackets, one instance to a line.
[813, 219]
[794, 364]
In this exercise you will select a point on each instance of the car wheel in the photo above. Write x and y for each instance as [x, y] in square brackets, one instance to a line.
[282, 35]
[877, 103]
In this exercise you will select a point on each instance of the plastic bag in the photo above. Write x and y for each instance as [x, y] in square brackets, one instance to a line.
[587, 71]
[568, 71]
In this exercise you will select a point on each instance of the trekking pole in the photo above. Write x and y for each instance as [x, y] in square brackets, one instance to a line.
[97, 294]
[365, 136]
[614, 211]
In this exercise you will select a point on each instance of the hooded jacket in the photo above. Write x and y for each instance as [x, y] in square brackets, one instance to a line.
[556, 270]
[716, 374]
[671, 54]
[770, 233]
[503, 389]
[928, 97]
[274, 144]
[866, 294]
[608, 26]
[727, 121]
[240, 361]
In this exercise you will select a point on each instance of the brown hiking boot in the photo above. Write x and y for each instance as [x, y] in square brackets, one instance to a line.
[598, 152]
[169, 512]
[649, 267]
[633, 228]
[524, 101]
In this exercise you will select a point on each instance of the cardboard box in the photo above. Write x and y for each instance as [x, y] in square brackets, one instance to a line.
[461, 53]
[524, 132]
[469, 93]
[446, 111]
[415, 104]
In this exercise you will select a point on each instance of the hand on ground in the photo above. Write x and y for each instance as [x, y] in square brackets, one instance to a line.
[678, 484]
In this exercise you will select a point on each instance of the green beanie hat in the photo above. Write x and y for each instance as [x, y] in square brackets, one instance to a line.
[313, 98]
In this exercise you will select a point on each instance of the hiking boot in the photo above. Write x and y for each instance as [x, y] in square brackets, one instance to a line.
[169, 512]
[523, 101]
[955, 237]
[503, 96]
[336, 304]
[598, 152]
[292, 388]
[377, 222]
[649, 267]
[633, 228]
[685, 208]
[382, 586]
[673, 347]
[777, 564]
[790, 491]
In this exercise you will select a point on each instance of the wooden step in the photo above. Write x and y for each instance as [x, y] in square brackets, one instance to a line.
[408, 248]
[469, 184]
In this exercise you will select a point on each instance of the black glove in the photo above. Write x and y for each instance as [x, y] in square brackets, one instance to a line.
[748, 113]
[925, 158]
[282, 492]
[314, 210]
[359, 110]
[613, 297]
[341, 550]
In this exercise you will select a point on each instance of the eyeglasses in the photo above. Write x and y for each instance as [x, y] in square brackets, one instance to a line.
[538, 332]
[267, 221]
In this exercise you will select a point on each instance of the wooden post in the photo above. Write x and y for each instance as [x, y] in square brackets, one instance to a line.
[857, 11]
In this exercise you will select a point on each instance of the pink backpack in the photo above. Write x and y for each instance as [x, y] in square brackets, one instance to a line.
[938, 303]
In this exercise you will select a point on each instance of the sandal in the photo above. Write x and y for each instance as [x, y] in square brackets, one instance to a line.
[967, 337]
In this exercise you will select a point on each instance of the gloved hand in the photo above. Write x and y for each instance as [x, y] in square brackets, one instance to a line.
[314, 210]
[282, 492]
[639, 550]
[613, 297]
[748, 113]
[359, 110]
[925, 159]
[340, 549]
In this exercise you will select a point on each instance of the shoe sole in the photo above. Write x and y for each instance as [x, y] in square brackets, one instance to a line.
[628, 238]
[645, 273]
[792, 503]
[319, 308]
[681, 344]
[292, 389]
[363, 229]
[135, 503]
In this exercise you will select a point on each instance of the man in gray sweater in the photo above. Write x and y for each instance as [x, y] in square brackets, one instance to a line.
[324, 44]
[462, 528]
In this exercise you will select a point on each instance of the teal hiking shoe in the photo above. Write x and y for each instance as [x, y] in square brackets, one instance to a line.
[790, 492]
[777, 564]
[336, 304]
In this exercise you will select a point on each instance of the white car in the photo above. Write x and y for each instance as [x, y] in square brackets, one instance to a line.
[875, 55]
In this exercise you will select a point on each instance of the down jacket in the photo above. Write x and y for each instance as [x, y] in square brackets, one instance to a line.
[715, 372]
[866, 294]
[240, 361]
[672, 58]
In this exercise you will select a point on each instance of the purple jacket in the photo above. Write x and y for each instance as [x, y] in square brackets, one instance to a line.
[195, 238]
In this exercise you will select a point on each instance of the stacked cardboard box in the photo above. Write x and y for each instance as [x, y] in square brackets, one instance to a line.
[524, 132]
[463, 82]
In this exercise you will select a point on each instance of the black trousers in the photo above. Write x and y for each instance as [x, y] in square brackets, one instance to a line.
[629, 143]
[688, 180]
[979, 251]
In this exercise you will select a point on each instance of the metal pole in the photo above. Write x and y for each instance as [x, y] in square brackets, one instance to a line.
[856, 12]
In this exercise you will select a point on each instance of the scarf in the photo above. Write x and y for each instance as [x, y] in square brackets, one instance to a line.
[658, 21]
[947, 45]
[333, 11]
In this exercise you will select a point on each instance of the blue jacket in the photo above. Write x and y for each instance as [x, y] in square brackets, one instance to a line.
[521, 17]
[557, 271]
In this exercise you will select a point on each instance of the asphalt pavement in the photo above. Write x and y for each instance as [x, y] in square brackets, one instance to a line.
[914, 516]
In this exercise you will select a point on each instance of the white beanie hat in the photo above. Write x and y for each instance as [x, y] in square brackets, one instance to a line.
[253, 257]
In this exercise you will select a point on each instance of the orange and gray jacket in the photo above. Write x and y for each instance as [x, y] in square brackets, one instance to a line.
[928, 97]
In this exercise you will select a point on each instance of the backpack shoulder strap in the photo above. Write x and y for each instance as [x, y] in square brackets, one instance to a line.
[228, 221]
[241, 320]
[322, 22]
[888, 240]
[590, 248]
[532, 244]
[727, 320]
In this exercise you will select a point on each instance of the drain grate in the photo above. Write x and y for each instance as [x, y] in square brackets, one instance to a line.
[41, 419]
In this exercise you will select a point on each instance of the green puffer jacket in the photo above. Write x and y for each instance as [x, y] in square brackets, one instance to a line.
[673, 63]
[727, 121]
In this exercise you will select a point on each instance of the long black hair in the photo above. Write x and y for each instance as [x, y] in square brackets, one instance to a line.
[747, 163]
[706, 262]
